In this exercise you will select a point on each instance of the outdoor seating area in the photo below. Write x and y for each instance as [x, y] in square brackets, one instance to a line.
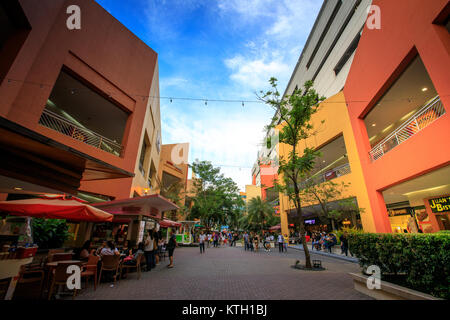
[46, 276]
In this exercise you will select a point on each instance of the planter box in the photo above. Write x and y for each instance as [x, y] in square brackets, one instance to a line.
[388, 291]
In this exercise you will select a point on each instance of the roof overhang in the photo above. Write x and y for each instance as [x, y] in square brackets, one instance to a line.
[150, 206]
[35, 158]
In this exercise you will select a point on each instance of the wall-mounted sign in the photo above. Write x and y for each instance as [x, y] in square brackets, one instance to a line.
[311, 221]
[441, 204]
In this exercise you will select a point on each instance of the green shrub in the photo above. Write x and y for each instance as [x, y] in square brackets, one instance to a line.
[49, 233]
[424, 258]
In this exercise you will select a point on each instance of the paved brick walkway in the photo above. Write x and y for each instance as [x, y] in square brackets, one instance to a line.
[232, 273]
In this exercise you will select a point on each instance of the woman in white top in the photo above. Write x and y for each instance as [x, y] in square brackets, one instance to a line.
[109, 250]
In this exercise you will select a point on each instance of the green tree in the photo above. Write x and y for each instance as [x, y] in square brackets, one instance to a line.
[260, 215]
[216, 198]
[294, 113]
[176, 193]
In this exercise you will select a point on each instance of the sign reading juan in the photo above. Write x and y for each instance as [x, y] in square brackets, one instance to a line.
[441, 204]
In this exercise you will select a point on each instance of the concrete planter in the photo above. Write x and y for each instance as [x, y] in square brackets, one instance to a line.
[388, 291]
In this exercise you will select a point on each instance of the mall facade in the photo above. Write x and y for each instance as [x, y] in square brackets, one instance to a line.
[385, 122]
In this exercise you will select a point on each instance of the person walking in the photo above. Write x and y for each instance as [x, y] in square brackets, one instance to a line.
[208, 238]
[148, 250]
[216, 239]
[202, 239]
[246, 247]
[286, 242]
[344, 243]
[171, 248]
[280, 243]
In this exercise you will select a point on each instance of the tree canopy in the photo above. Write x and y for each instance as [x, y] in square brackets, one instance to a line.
[216, 199]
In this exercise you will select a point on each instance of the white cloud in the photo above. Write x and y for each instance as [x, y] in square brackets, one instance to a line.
[229, 140]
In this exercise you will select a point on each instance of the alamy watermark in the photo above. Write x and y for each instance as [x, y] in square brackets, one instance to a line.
[73, 22]
[373, 17]
[374, 281]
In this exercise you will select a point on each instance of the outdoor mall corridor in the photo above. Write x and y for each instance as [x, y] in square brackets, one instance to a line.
[232, 273]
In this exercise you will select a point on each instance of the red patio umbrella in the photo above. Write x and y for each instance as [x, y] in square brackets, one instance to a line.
[55, 208]
[277, 227]
[166, 223]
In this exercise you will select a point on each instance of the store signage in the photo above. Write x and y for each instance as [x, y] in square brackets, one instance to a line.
[311, 221]
[441, 204]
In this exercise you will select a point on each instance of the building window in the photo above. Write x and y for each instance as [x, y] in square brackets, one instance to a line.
[80, 111]
[347, 54]
[142, 157]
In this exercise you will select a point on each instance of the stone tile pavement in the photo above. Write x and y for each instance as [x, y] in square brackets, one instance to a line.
[232, 273]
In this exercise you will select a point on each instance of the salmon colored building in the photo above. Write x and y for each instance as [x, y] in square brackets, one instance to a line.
[398, 97]
[80, 113]
[70, 100]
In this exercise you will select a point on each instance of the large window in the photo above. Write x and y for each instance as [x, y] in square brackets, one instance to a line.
[144, 150]
[409, 105]
[80, 111]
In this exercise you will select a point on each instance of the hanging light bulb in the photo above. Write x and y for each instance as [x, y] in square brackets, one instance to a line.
[170, 100]
[206, 102]
[242, 103]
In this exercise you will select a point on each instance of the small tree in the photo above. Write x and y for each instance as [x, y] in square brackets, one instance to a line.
[294, 114]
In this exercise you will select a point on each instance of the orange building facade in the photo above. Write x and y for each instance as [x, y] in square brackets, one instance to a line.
[398, 97]
[71, 102]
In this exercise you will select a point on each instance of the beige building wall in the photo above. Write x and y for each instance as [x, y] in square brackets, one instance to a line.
[151, 132]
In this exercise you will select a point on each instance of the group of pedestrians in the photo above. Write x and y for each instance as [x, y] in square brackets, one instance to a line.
[252, 242]
[216, 239]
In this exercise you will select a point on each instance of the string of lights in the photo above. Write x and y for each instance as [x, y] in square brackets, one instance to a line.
[74, 90]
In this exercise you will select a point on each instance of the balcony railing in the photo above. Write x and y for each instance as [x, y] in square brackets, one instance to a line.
[421, 119]
[55, 122]
[329, 175]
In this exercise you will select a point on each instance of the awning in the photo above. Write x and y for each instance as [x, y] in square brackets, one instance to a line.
[150, 206]
[59, 208]
[277, 227]
[166, 223]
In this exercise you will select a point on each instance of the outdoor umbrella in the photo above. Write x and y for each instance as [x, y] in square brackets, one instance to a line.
[169, 223]
[55, 208]
[277, 227]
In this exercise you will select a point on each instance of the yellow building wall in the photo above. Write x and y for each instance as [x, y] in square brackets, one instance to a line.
[252, 191]
[333, 111]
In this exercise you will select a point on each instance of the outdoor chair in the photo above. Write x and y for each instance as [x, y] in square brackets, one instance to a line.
[139, 259]
[30, 283]
[163, 253]
[110, 263]
[59, 277]
[90, 269]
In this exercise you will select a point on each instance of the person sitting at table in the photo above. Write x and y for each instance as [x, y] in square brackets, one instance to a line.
[99, 249]
[131, 259]
[85, 251]
[109, 250]
[126, 248]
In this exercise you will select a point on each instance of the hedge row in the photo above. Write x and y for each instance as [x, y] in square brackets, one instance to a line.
[424, 258]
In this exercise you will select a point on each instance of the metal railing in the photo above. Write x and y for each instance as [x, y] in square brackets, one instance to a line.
[328, 175]
[55, 122]
[421, 119]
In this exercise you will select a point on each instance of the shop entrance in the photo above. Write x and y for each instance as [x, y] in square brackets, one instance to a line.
[420, 204]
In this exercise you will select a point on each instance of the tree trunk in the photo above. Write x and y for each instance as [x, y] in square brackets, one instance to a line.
[302, 227]
[332, 225]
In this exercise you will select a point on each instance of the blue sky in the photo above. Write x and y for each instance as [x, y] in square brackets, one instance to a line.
[224, 49]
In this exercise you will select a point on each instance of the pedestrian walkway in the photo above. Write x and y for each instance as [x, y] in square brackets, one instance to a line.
[335, 252]
[233, 273]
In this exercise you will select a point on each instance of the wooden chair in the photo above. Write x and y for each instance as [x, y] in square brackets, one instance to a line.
[110, 263]
[29, 279]
[139, 259]
[90, 269]
[59, 277]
